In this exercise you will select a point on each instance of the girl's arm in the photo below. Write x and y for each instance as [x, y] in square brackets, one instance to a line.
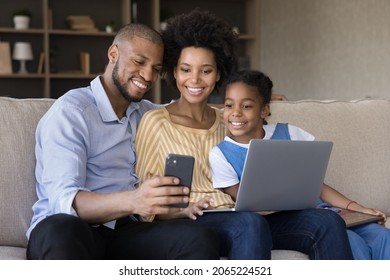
[333, 197]
[232, 191]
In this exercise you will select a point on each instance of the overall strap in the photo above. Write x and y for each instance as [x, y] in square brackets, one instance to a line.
[281, 132]
[235, 155]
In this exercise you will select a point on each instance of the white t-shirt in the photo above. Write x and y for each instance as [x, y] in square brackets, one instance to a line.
[223, 173]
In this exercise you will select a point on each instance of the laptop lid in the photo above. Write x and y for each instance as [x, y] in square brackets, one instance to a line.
[283, 175]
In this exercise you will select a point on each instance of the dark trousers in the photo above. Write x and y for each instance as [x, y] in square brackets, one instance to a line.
[64, 236]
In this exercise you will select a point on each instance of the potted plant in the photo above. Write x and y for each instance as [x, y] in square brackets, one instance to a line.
[22, 18]
[110, 26]
[165, 13]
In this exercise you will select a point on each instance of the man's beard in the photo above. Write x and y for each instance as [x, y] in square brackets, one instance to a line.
[122, 88]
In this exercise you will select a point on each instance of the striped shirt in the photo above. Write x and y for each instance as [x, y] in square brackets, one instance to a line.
[157, 136]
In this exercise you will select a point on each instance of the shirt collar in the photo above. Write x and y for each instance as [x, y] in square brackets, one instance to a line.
[104, 105]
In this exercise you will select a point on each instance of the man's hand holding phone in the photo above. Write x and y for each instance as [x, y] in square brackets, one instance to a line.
[165, 195]
[155, 195]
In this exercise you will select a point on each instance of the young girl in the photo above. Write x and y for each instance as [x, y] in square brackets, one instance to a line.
[199, 55]
[247, 99]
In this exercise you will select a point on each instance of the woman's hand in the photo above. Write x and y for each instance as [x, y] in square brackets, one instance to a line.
[195, 209]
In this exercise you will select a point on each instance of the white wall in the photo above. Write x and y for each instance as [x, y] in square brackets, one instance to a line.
[327, 49]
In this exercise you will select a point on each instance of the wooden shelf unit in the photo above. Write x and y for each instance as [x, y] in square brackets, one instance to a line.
[61, 47]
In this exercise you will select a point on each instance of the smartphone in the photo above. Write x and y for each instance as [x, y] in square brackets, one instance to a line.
[182, 167]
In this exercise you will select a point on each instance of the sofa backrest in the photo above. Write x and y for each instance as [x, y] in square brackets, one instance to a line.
[360, 162]
[18, 120]
[359, 166]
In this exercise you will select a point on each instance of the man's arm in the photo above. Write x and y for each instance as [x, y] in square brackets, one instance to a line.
[65, 145]
[148, 199]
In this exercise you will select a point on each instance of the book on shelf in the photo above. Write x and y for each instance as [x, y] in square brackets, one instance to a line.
[85, 62]
[81, 23]
[5, 58]
[41, 62]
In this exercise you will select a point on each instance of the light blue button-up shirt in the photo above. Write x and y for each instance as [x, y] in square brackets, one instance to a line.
[81, 145]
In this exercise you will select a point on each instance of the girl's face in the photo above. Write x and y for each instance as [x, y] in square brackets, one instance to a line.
[196, 74]
[244, 112]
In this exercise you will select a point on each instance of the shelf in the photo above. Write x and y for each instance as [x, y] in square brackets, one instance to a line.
[73, 75]
[22, 31]
[246, 37]
[56, 47]
[68, 32]
[23, 76]
[61, 47]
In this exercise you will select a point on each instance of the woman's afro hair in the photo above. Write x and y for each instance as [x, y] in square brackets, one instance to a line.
[199, 29]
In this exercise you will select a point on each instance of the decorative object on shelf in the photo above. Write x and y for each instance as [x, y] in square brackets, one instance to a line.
[50, 32]
[5, 58]
[165, 13]
[22, 52]
[134, 11]
[85, 63]
[81, 23]
[41, 62]
[110, 27]
[22, 18]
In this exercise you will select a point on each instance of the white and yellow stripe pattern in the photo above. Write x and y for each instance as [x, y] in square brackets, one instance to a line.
[157, 136]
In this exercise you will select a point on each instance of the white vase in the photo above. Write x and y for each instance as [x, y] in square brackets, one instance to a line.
[109, 29]
[21, 22]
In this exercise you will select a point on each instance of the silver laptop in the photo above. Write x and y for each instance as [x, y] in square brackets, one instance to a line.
[282, 175]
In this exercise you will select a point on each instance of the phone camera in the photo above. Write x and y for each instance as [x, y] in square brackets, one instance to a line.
[172, 161]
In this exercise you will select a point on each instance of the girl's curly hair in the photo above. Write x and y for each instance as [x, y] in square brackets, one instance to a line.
[199, 29]
[254, 78]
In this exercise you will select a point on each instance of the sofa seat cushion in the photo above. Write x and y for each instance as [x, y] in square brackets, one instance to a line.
[12, 253]
[288, 255]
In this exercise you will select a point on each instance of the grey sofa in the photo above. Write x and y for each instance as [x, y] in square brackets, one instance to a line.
[359, 165]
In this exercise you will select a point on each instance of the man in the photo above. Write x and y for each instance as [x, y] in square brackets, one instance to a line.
[88, 205]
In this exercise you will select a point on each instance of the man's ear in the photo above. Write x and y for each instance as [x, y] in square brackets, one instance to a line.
[113, 53]
[265, 111]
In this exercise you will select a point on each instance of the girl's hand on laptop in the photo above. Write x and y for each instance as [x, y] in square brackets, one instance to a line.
[194, 209]
[375, 212]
